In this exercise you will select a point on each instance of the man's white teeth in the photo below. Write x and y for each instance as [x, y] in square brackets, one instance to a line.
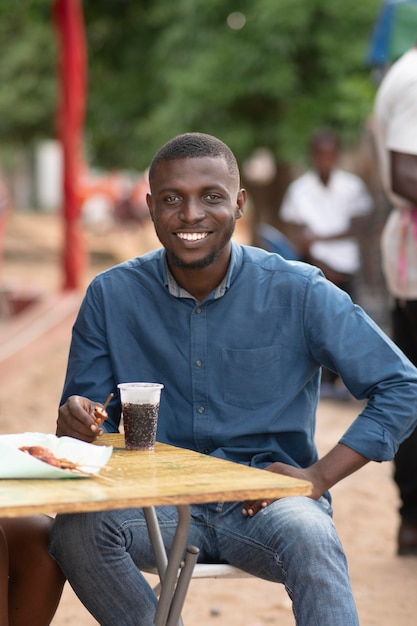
[192, 236]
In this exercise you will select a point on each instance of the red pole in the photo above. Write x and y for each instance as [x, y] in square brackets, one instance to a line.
[70, 119]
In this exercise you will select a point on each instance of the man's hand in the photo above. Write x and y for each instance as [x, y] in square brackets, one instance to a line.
[250, 508]
[340, 462]
[81, 418]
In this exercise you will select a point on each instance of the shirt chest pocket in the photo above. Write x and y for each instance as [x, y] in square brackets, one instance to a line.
[251, 378]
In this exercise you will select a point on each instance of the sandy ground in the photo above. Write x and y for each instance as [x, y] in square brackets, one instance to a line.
[365, 504]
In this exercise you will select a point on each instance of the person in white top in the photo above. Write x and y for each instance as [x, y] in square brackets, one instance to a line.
[395, 127]
[324, 209]
[321, 205]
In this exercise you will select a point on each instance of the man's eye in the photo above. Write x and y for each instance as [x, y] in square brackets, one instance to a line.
[213, 197]
[171, 199]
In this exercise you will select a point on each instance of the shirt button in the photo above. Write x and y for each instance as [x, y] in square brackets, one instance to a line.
[198, 363]
[198, 310]
[201, 409]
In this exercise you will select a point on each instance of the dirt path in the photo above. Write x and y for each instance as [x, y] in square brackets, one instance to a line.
[365, 504]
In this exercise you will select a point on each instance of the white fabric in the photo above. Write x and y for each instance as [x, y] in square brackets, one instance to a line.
[395, 127]
[327, 210]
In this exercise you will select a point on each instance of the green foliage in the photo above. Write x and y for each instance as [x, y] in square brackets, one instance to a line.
[27, 72]
[295, 65]
[158, 67]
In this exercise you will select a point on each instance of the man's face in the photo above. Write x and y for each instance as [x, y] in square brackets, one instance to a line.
[324, 157]
[194, 204]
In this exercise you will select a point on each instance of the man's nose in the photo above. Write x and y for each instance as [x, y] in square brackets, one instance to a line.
[192, 211]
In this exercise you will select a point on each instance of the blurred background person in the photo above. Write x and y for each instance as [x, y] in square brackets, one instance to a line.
[395, 127]
[324, 209]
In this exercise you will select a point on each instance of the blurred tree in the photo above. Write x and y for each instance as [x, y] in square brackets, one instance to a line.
[27, 72]
[255, 74]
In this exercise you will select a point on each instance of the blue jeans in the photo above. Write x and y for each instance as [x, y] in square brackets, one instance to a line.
[293, 541]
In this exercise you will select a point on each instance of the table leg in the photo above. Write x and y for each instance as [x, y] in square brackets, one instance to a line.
[173, 589]
[158, 547]
[174, 617]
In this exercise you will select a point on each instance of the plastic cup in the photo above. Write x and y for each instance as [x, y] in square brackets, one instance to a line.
[140, 408]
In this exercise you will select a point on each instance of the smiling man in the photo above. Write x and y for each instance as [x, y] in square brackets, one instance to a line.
[196, 203]
[238, 337]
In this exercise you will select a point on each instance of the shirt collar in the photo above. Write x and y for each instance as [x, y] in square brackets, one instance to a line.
[179, 292]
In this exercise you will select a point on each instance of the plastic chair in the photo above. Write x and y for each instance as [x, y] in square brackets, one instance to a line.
[207, 570]
[273, 240]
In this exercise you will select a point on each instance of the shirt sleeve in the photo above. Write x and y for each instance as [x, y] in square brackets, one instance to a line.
[89, 370]
[289, 211]
[362, 201]
[402, 122]
[345, 339]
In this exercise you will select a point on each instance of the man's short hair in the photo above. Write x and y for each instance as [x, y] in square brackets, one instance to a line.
[191, 146]
[324, 136]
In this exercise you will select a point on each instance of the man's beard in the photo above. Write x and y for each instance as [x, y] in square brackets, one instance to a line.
[176, 261]
[196, 265]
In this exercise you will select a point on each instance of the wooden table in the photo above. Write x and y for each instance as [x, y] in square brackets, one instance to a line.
[165, 476]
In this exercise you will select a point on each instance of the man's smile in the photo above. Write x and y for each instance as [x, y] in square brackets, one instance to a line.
[186, 236]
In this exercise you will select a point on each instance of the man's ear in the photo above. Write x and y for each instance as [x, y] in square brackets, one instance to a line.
[240, 203]
[150, 204]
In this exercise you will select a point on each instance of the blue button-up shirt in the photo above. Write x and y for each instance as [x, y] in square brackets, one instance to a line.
[241, 369]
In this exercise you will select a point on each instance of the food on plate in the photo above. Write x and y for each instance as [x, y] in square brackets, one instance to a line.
[45, 455]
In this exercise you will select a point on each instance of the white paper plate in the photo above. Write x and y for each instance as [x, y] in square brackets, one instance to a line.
[17, 464]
